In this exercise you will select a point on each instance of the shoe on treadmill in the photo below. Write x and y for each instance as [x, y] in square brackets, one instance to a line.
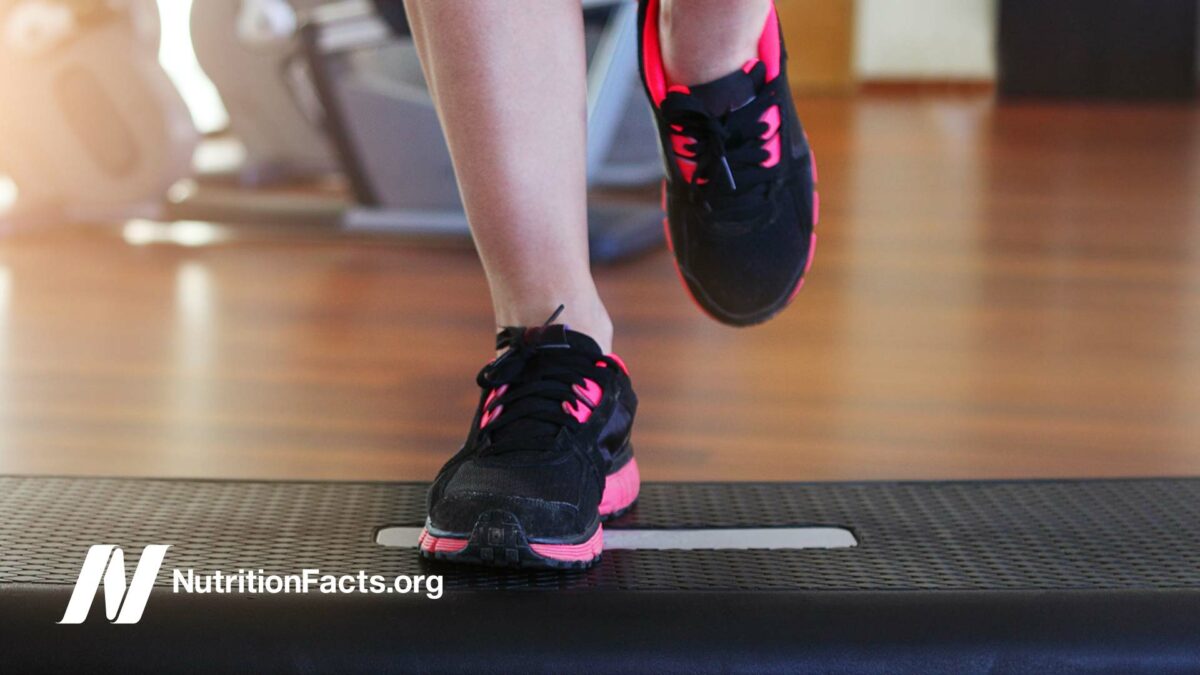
[739, 190]
[547, 458]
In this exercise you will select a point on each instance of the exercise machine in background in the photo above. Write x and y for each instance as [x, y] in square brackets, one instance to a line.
[91, 126]
[96, 132]
[250, 50]
[350, 69]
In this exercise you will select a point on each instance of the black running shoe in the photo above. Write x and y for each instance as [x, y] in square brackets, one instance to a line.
[548, 457]
[739, 194]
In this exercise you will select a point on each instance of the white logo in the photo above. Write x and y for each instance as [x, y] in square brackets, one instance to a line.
[106, 563]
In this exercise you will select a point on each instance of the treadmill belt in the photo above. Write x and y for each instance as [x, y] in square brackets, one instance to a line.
[994, 576]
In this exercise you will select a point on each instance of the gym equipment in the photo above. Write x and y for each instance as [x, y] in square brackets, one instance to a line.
[92, 128]
[376, 111]
[250, 51]
[1057, 576]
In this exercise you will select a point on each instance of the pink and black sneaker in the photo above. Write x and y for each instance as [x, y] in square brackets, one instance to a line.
[739, 192]
[547, 459]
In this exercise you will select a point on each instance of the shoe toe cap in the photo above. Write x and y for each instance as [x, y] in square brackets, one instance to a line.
[747, 279]
[550, 502]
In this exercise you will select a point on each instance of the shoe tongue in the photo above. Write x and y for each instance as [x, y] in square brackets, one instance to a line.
[546, 336]
[558, 335]
[728, 93]
[583, 343]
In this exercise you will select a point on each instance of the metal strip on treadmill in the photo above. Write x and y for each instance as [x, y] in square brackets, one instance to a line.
[684, 540]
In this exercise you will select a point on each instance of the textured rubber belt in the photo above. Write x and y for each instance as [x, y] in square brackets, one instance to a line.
[1108, 534]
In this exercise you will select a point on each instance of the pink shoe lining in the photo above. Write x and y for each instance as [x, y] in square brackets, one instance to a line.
[768, 45]
[769, 51]
[656, 76]
[618, 361]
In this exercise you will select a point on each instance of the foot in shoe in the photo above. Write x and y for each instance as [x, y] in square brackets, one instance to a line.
[739, 192]
[547, 458]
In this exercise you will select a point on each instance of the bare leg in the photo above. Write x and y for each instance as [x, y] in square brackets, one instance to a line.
[509, 81]
[703, 40]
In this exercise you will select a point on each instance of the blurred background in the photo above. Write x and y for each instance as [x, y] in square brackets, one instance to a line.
[230, 246]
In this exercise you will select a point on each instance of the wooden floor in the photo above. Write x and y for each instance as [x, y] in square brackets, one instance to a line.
[1009, 291]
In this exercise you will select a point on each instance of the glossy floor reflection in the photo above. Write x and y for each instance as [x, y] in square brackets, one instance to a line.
[1008, 291]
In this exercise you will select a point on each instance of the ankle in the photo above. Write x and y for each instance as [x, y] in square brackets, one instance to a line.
[589, 318]
[704, 40]
[598, 327]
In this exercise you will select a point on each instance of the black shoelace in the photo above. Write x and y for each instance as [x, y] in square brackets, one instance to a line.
[729, 151]
[540, 378]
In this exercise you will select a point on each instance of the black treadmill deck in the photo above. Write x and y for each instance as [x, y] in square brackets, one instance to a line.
[1127, 534]
[1014, 559]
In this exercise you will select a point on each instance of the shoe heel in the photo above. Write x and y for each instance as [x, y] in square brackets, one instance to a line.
[621, 489]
